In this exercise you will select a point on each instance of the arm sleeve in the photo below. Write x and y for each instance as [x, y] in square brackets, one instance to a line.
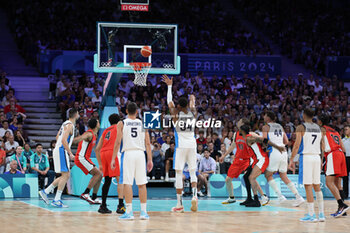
[24, 162]
[32, 161]
[169, 97]
[47, 164]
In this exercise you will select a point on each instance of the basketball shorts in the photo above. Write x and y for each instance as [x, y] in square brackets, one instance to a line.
[262, 163]
[278, 162]
[336, 164]
[60, 160]
[185, 155]
[133, 167]
[106, 159]
[310, 169]
[238, 166]
[86, 165]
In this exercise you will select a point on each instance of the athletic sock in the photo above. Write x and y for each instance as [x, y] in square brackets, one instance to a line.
[232, 197]
[50, 189]
[128, 208]
[342, 194]
[256, 198]
[319, 199]
[94, 196]
[105, 189]
[58, 195]
[247, 183]
[121, 202]
[194, 191]
[292, 188]
[179, 200]
[87, 191]
[340, 203]
[273, 185]
[144, 207]
[310, 207]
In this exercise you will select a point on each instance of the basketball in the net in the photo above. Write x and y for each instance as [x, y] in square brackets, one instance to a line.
[146, 51]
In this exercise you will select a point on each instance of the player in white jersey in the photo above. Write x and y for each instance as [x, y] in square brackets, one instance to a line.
[274, 132]
[61, 155]
[185, 144]
[308, 144]
[135, 141]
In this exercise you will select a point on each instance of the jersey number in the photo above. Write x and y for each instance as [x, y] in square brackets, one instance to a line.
[314, 136]
[335, 138]
[108, 135]
[134, 132]
[278, 132]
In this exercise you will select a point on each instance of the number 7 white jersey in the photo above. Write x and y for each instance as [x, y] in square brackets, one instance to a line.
[311, 141]
[133, 135]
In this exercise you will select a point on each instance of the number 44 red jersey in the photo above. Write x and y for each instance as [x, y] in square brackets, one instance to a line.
[332, 140]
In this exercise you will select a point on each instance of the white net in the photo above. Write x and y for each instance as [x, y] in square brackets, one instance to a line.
[141, 70]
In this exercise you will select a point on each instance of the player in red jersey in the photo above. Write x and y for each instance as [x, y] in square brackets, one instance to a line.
[104, 153]
[335, 162]
[87, 142]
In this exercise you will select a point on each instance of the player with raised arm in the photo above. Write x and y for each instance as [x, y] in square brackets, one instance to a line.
[87, 142]
[185, 143]
[278, 161]
[104, 154]
[309, 144]
[335, 162]
[61, 155]
[135, 142]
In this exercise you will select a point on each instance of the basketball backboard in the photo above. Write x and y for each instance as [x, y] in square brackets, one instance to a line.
[122, 43]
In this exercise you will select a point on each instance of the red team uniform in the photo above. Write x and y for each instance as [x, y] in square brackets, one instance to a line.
[242, 158]
[260, 157]
[109, 137]
[82, 157]
[335, 158]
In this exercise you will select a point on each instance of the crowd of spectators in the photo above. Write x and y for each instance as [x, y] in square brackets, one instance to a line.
[306, 31]
[40, 25]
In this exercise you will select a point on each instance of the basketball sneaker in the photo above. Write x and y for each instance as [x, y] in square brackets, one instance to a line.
[309, 218]
[298, 201]
[321, 217]
[97, 201]
[194, 204]
[341, 211]
[121, 209]
[87, 198]
[58, 204]
[127, 216]
[282, 199]
[254, 203]
[265, 200]
[43, 195]
[144, 215]
[229, 201]
[246, 202]
[177, 209]
[104, 210]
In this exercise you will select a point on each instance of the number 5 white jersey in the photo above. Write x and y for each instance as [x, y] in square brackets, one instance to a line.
[276, 134]
[311, 141]
[133, 135]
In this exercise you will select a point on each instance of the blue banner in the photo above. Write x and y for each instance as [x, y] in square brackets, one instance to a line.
[218, 186]
[210, 64]
[339, 66]
[18, 185]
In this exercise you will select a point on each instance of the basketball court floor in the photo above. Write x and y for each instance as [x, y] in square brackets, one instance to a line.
[32, 215]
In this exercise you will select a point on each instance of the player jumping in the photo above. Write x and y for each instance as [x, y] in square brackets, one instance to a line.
[135, 142]
[308, 145]
[185, 143]
[87, 142]
[61, 155]
[278, 161]
[104, 153]
[335, 162]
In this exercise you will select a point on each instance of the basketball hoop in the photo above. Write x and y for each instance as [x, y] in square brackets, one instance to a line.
[141, 70]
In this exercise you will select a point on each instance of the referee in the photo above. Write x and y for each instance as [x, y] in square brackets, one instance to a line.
[346, 141]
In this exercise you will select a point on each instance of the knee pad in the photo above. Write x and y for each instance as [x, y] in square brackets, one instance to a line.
[193, 176]
[178, 180]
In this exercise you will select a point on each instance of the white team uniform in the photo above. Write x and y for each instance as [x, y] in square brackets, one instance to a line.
[133, 153]
[310, 150]
[278, 160]
[185, 143]
[60, 155]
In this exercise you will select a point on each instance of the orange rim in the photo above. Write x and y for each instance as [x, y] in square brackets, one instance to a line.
[140, 65]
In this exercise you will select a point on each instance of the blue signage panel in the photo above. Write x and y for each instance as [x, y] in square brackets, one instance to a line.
[18, 185]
